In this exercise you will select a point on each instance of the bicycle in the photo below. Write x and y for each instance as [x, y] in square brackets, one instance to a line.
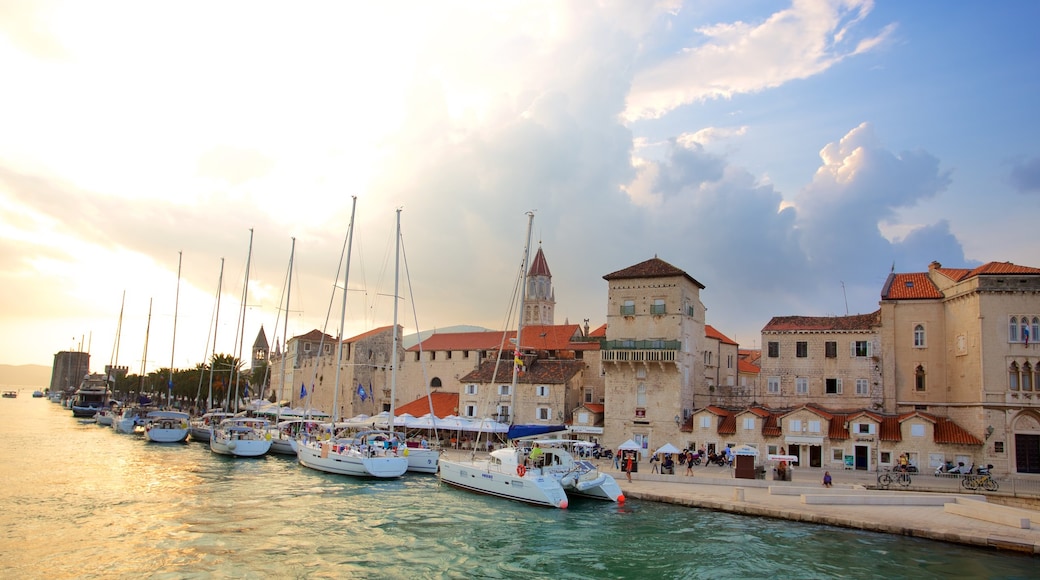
[885, 479]
[985, 481]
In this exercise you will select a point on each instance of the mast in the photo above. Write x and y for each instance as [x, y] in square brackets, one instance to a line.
[213, 354]
[114, 362]
[343, 313]
[176, 304]
[285, 332]
[236, 371]
[144, 357]
[518, 352]
[393, 350]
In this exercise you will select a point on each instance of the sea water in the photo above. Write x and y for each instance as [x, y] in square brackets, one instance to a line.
[82, 501]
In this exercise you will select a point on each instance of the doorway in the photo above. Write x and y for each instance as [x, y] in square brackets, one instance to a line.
[862, 453]
[815, 456]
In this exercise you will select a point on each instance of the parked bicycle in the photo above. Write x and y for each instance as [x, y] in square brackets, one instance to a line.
[983, 479]
[885, 479]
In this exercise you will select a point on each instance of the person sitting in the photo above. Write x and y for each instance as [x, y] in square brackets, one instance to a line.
[536, 455]
[669, 465]
[827, 481]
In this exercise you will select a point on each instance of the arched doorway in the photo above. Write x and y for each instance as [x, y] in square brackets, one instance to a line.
[1026, 431]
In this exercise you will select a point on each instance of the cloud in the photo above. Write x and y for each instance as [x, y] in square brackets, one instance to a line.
[739, 57]
[1025, 175]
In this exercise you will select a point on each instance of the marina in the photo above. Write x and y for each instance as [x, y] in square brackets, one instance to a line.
[121, 507]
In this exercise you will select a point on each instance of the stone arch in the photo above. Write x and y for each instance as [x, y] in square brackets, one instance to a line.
[1025, 444]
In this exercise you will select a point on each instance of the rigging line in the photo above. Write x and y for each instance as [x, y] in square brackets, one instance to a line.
[422, 359]
[205, 350]
[286, 284]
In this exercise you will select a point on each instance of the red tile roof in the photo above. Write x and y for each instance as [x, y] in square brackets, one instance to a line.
[989, 268]
[711, 332]
[536, 337]
[444, 404]
[594, 407]
[652, 268]
[946, 431]
[600, 332]
[483, 340]
[744, 366]
[916, 286]
[824, 323]
[539, 267]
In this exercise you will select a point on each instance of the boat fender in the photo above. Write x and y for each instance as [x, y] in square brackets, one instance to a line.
[269, 436]
[231, 445]
[567, 481]
[406, 452]
[521, 470]
[584, 485]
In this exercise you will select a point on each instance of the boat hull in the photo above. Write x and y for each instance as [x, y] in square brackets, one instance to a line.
[324, 456]
[489, 479]
[423, 460]
[239, 447]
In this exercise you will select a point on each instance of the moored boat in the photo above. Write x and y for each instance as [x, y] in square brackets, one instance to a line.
[10, 394]
[344, 457]
[166, 426]
[577, 476]
[241, 437]
[200, 427]
[504, 475]
[91, 396]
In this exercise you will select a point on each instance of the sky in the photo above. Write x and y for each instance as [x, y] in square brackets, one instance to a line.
[787, 155]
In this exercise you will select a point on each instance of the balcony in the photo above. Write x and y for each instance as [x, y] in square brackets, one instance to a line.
[640, 351]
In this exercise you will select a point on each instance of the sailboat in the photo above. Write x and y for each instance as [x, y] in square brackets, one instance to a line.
[241, 436]
[169, 426]
[370, 457]
[505, 472]
[132, 415]
[107, 416]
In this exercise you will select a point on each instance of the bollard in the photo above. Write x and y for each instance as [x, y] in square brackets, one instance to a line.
[738, 494]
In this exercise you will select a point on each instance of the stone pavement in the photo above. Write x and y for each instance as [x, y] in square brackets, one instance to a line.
[805, 499]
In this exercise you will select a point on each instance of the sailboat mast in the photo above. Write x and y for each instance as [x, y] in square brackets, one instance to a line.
[517, 360]
[176, 305]
[114, 362]
[240, 339]
[144, 357]
[216, 325]
[343, 313]
[285, 331]
[393, 350]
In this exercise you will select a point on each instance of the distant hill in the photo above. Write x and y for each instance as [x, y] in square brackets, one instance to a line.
[35, 376]
[413, 339]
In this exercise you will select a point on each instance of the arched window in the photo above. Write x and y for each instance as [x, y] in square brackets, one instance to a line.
[641, 395]
[1027, 377]
[1013, 330]
[435, 382]
[1013, 377]
[919, 378]
[1036, 328]
[919, 335]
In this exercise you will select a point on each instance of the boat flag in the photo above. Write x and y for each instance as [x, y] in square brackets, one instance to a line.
[361, 392]
[303, 390]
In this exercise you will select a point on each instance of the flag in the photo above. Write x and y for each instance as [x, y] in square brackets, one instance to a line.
[303, 390]
[1025, 334]
[361, 392]
[246, 389]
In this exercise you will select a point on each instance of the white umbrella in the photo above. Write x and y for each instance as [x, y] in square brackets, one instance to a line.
[630, 445]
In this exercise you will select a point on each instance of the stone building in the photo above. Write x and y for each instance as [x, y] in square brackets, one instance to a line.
[653, 353]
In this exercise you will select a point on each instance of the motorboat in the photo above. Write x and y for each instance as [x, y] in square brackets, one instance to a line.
[106, 417]
[38, 394]
[10, 394]
[577, 476]
[504, 474]
[91, 396]
[166, 426]
[241, 437]
[200, 427]
[344, 456]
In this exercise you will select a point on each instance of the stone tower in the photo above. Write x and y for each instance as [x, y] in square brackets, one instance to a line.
[540, 301]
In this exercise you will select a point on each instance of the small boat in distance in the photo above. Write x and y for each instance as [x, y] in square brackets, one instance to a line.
[10, 394]
[37, 394]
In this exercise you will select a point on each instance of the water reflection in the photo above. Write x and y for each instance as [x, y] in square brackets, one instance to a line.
[84, 501]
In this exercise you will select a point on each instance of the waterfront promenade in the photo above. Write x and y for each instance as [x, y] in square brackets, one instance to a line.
[971, 519]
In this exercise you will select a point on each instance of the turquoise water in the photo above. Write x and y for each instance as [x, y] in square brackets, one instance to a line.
[81, 501]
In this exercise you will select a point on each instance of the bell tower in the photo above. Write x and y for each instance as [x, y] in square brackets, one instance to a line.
[540, 302]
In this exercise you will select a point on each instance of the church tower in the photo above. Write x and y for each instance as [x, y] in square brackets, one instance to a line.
[260, 350]
[541, 300]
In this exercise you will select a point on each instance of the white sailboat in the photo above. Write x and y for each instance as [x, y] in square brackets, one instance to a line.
[504, 473]
[106, 417]
[133, 415]
[169, 426]
[343, 455]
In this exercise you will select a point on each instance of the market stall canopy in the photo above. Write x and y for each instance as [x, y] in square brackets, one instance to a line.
[630, 445]
[666, 448]
[745, 450]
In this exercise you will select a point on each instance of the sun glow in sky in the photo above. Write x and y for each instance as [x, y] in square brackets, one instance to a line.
[787, 156]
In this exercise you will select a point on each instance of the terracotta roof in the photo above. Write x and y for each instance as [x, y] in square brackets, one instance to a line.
[540, 372]
[989, 268]
[711, 332]
[315, 336]
[744, 366]
[652, 268]
[771, 426]
[600, 332]
[539, 267]
[728, 426]
[444, 404]
[824, 323]
[594, 407]
[482, 340]
[917, 286]
[535, 337]
[370, 333]
[839, 429]
[750, 355]
[946, 431]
